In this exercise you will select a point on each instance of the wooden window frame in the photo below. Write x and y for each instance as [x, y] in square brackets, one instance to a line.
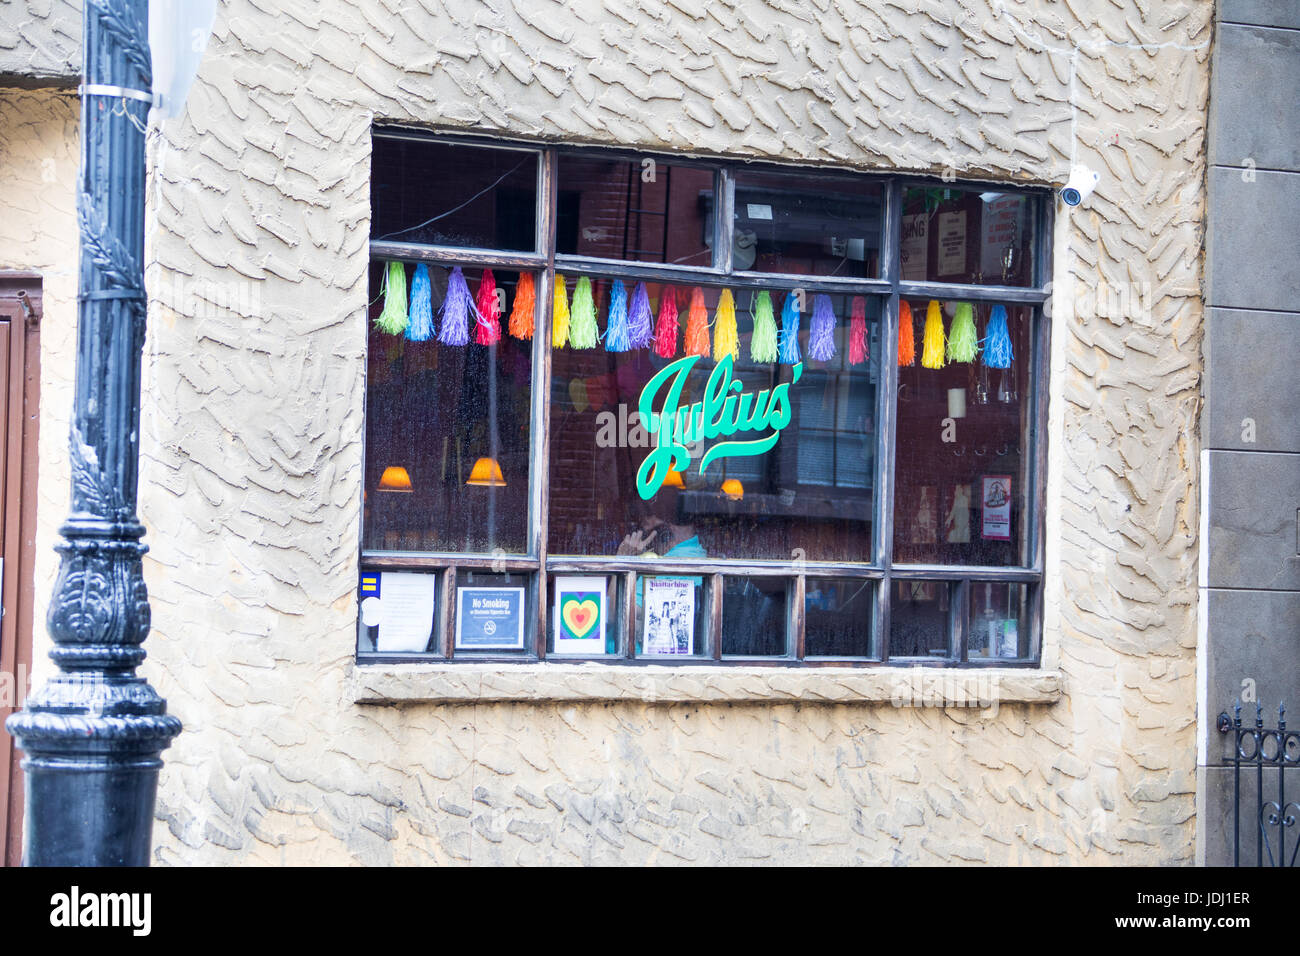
[889, 288]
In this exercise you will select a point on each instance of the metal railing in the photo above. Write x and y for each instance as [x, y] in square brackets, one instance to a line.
[1262, 747]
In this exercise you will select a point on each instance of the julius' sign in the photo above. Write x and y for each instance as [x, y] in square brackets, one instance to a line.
[725, 410]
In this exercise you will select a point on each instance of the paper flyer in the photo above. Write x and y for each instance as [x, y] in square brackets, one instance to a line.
[579, 615]
[669, 617]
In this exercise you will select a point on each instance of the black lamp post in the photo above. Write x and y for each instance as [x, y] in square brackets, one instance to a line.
[94, 734]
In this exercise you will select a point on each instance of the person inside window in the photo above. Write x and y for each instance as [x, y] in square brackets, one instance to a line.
[661, 536]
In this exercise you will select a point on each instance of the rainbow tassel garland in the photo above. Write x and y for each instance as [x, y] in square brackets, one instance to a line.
[456, 307]
[821, 333]
[762, 344]
[489, 310]
[697, 325]
[521, 316]
[560, 319]
[640, 320]
[666, 330]
[858, 331]
[963, 342]
[906, 335]
[616, 330]
[582, 317]
[393, 318]
[997, 341]
[420, 327]
[726, 340]
[932, 344]
[788, 349]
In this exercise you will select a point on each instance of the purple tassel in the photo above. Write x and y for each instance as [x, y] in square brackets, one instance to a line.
[455, 311]
[821, 337]
[640, 323]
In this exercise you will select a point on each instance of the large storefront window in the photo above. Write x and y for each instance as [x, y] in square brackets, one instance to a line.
[639, 407]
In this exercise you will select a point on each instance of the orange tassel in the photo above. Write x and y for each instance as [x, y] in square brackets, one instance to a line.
[906, 337]
[521, 316]
[697, 325]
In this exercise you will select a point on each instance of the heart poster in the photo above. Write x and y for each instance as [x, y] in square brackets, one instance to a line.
[580, 615]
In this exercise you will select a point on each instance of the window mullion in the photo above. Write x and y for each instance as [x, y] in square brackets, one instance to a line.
[724, 214]
[541, 399]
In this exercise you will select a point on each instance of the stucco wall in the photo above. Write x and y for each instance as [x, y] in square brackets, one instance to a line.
[253, 425]
[40, 40]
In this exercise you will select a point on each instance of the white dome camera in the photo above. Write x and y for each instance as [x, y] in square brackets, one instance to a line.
[1082, 182]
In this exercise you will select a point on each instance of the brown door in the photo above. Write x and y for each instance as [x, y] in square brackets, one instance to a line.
[20, 305]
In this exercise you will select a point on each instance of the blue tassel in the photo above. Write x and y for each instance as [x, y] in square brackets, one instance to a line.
[420, 328]
[997, 340]
[617, 335]
[788, 351]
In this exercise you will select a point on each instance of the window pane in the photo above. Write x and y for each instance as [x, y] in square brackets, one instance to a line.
[586, 619]
[963, 450]
[641, 211]
[753, 617]
[804, 224]
[494, 614]
[980, 237]
[999, 621]
[837, 617]
[451, 195]
[670, 619]
[919, 620]
[810, 495]
[447, 435]
[415, 631]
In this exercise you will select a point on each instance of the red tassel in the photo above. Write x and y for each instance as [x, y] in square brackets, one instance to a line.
[858, 331]
[697, 325]
[666, 329]
[489, 310]
[906, 337]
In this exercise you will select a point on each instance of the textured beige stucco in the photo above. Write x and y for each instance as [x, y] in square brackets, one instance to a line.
[253, 423]
[40, 40]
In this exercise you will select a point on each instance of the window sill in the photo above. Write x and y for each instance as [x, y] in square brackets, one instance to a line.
[395, 684]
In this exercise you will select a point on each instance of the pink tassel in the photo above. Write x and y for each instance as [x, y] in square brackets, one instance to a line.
[489, 311]
[666, 333]
[858, 331]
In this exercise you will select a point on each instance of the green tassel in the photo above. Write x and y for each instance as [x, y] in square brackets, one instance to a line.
[762, 344]
[963, 342]
[393, 319]
[582, 317]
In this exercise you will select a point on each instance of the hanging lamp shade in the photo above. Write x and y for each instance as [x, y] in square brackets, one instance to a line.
[674, 479]
[486, 473]
[395, 478]
[733, 489]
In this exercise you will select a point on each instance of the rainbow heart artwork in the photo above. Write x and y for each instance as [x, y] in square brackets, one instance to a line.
[580, 613]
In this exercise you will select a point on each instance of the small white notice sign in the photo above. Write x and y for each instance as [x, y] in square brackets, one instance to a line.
[405, 611]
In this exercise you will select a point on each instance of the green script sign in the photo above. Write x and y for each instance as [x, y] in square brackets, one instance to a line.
[725, 410]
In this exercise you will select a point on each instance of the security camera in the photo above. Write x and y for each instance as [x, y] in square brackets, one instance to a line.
[1082, 182]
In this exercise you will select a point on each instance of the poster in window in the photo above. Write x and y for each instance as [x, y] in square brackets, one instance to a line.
[957, 524]
[579, 615]
[399, 604]
[995, 498]
[925, 524]
[952, 243]
[489, 619]
[669, 617]
[914, 249]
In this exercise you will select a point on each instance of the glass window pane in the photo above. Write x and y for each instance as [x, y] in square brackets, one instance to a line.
[837, 617]
[754, 617]
[999, 621]
[637, 210]
[808, 495]
[586, 619]
[415, 633]
[806, 224]
[494, 614]
[452, 195]
[973, 236]
[447, 435]
[919, 620]
[670, 617]
[963, 450]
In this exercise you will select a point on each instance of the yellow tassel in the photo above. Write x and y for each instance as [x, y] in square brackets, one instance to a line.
[932, 347]
[726, 341]
[560, 323]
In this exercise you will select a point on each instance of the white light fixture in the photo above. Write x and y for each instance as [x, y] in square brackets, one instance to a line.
[178, 35]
